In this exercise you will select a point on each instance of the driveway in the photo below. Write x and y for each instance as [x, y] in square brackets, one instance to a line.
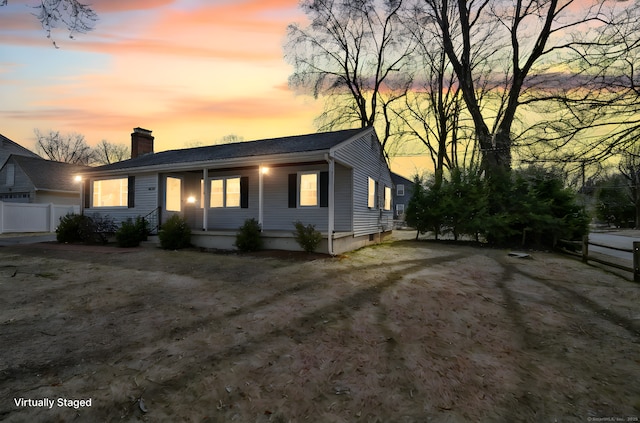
[622, 240]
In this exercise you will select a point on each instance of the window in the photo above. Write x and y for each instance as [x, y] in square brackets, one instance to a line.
[174, 194]
[399, 209]
[308, 189]
[400, 190]
[387, 198]
[372, 194]
[233, 192]
[229, 192]
[111, 192]
[217, 193]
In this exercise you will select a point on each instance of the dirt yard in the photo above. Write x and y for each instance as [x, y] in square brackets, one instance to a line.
[402, 332]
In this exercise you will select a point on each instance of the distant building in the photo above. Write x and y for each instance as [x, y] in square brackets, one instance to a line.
[402, 192]
[32, 179]
[8, 147]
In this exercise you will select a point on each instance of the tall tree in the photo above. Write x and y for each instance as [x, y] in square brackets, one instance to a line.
[350, 54]
[431, 112]
[68, 148]
[73, 15]
[521, 35]
[106, 153]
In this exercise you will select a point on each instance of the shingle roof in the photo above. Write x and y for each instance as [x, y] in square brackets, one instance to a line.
[8, 147]
[50, 175]
[292, 144]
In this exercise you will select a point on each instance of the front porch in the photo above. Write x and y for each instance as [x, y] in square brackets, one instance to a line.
[284, 240]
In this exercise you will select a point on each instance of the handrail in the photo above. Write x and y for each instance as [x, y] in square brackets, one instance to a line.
[153, 218]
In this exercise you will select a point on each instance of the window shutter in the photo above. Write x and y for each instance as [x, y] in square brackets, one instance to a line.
[244, 192]
[131, 192]
[87, 194]
[293, 190]
[324, 189]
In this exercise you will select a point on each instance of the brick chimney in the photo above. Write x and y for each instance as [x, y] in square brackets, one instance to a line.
[141, 142]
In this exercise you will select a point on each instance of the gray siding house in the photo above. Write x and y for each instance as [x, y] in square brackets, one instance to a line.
[337, 181]
[27, 179]
[402, 192]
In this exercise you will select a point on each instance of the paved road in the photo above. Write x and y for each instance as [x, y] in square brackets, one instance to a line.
[613, 240]
[8, 240]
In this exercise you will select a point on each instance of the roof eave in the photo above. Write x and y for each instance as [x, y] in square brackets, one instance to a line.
[281, 158]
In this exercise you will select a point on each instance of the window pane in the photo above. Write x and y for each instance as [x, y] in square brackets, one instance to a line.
[372, 193]
[387, 198]
[309, 189]
[174, 194]
[217, 193]
[400, 189]
[233, 192]
[110, 193]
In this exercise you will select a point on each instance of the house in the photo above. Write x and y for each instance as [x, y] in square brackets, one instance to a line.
[8, 147]
[337, 181]
[402, 192]
[29, 179]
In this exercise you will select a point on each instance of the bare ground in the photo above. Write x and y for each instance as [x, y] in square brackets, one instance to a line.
[402, 332]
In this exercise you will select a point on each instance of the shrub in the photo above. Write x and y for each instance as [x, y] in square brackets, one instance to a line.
[248, 237]
[175, 233]
[307, 236]
[82, 228]
[69, 228]
[132, 233]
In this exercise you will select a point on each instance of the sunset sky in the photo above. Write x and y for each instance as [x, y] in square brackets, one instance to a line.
[192, 71]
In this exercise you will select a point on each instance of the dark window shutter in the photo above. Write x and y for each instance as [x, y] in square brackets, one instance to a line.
[87, 194]
[131, 200]
[244, 192]
[324, 189]
[293, 190]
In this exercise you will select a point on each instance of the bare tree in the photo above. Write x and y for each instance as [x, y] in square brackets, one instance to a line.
[68, 148]
[597, 114]
[106, 153]
[75, 16]
[350, 54]
[432, 110]
[524, 37]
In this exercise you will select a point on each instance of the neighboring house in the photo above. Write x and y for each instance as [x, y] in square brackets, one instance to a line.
[36, 180]
[402, 192]
[337, 181]
[8, 147]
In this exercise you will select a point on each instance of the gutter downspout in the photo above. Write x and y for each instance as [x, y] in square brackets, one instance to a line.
[331, 209]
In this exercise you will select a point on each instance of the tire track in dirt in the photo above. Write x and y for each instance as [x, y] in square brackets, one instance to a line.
[546, 347]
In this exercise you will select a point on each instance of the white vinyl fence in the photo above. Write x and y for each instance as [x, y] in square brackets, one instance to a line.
[23, 217]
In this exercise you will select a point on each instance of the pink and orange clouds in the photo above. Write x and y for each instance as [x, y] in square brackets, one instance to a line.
[190, 70]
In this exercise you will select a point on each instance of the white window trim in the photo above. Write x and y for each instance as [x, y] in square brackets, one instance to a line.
[400, 208]
[299, 193]
[224, 192]
[400, 190]
[371, 195]
[166, 185]
[387, 199]
[92, 187]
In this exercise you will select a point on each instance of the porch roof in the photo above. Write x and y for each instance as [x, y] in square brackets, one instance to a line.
[268, 147]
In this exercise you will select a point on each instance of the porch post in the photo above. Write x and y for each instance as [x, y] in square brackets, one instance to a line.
[331, 222]
[205, 200]
[260, 195]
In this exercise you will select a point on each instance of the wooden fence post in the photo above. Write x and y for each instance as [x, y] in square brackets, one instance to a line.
[585, 248]
[636, 261]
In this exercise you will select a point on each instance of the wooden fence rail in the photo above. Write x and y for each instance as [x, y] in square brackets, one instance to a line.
[635, 250]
